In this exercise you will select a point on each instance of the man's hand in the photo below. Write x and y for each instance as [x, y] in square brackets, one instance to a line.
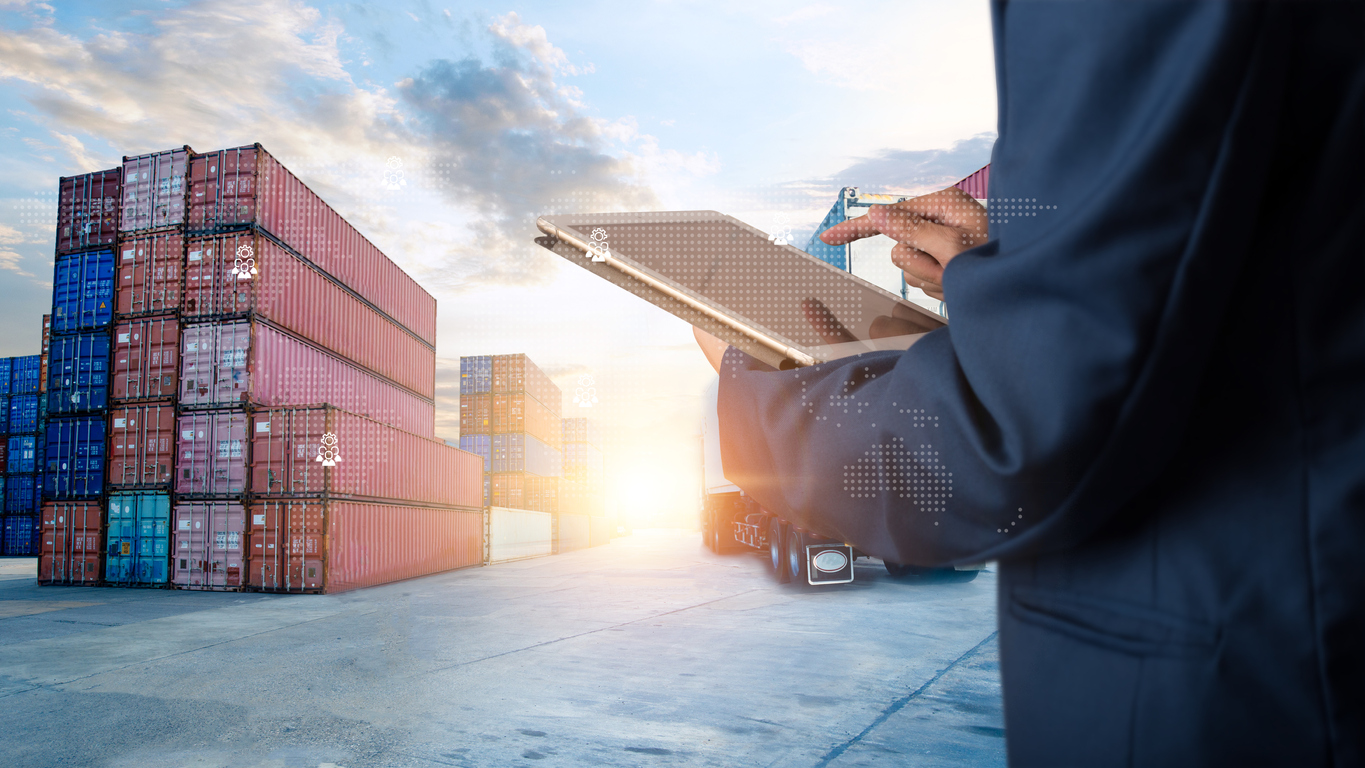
[712, 347]
[929, 231]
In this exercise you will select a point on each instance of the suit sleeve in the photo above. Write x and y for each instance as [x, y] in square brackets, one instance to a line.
[1130, 138]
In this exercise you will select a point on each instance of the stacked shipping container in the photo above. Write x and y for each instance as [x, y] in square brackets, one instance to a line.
[509, 414]
[582, 490]
[22, 418]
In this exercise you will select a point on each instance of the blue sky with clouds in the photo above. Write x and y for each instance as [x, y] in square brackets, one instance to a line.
[500, 113]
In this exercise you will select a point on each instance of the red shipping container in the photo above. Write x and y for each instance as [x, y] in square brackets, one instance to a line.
[142, 446]
[4, 452]
[207, 545]
[245, 185]
[335, 546]
[150, 274]
[42, 365]
[154, 190]
[522, 490]
[72, 543]
[323, 451]
[146, 364]
[476, 414]
[212, 449]
[240, 362]
[516, 373]
[243, 272]
[522, 413]
[87, 211]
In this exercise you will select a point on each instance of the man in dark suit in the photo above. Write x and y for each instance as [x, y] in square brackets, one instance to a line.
[1150, 404]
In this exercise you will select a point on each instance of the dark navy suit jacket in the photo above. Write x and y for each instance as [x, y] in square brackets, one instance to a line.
[1149, 406]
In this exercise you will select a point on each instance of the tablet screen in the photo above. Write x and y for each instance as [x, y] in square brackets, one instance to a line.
[779, 290]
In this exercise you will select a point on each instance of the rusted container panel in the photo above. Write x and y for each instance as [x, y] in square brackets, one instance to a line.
[320, 450]
[476, 414]
[236, 273]
[516, 373]
[522, 413]
[208, 544]
[520, 490]
[72, 535]
[246, 186]
[211, 450]
[314, 545]
[146, 359]
[88, 210]
[142, 446]
[154, 190]
[150, 274]
[224, 364]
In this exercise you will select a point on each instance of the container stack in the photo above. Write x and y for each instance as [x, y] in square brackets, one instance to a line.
[77, 395]
[145, 367]
[510, 415]
[582, 500]
[21, 421]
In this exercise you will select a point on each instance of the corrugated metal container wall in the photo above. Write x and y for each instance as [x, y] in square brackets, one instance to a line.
[154, 190]
[335, 546]
[4, 414]
[324, 451]
[287, 292]
[71, 543]
[87, 210]
[476, 374]
[574, 532]
[150, 274]
[21, 536]
[4, 450]
[25, 454]
[240, 362]
[6, 372]
[24, 414]
[138, 536]
[83, 291]
[42, 366]
[579, 429]
[521, 452]
[481, 445]
[78, 373]
[245, 185]
[977, 184]
[523, 413]
[519, 490]
[146, 359]
[74, 458]
[516, 373]
[514, 534]
[208, 544]
[142, 446]
[476, 414]
[23, 494]
[212, 449]
[25, 375]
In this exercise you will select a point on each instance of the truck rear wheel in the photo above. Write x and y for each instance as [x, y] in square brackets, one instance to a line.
[777, 550]
[796, 556]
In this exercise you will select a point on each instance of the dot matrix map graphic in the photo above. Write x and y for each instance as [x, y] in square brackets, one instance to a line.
[893, 468]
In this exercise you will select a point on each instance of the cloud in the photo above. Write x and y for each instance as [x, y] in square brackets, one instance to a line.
[9, 259]
[913, 172]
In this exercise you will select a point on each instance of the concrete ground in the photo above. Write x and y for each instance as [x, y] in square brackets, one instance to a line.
[651, 651]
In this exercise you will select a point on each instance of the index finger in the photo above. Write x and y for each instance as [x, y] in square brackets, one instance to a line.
[849, 230]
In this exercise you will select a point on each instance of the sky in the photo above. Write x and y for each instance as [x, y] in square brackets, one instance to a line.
[497, 114]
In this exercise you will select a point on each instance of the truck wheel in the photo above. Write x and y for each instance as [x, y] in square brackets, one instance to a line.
[796, 556]
[716, 545]
[776, 550]
[898, 571]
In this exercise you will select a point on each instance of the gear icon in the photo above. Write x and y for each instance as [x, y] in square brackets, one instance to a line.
[585, 394]
[597, 249]
[327, 451]
[244, 266]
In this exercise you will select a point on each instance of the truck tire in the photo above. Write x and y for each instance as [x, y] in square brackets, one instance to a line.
[777, 550]
[796, 556]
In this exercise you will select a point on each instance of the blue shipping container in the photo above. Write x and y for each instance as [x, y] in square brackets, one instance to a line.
[26, 375]
[83, 291]
[476, 374]
[24, 454]
[22, 494]
[520, 452]
[6, 372]
[74, 458]
[78, 373]
[481, 445]
[138, 543]
[4, 414]
[20, 535]
[24, 414]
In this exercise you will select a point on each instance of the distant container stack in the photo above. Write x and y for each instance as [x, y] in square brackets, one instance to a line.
[22, 421]
[509, 415]
[582, 490]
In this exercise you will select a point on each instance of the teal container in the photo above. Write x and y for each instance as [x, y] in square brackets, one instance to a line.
[139, 526]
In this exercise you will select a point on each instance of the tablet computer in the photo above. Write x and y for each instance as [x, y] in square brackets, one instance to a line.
[770, 299]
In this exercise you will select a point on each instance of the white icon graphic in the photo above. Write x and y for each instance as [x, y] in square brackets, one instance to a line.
[393, 175]
[585, 394]
[781, 231]
[597, 249]
[328, 453]
[244, 266]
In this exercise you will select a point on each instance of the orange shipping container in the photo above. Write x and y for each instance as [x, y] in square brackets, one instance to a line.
[72, 539]
[475, 414]
[313, 545]
[516, 373]
[521, 490]
[141, 446]
[522, 413]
